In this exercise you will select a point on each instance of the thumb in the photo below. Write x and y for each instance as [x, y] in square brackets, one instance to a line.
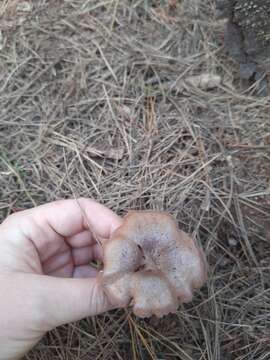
[67, 300]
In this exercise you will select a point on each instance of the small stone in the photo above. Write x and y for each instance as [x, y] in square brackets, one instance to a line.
[127, 109]
[232, 242]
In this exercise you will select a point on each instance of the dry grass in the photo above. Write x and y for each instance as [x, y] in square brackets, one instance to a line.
[86, 110]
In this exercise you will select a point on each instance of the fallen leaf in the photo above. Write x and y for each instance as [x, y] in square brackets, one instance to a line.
[205, 81]
[24, 6]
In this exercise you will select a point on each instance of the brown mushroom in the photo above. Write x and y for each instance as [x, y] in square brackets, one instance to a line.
[152, 265]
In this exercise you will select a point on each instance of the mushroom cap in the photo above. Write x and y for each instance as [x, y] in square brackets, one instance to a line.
[152, 265]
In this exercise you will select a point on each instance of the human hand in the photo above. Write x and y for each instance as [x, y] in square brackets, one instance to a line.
[45, 277]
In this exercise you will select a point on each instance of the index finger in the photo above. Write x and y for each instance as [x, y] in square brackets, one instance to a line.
[48, 226]
[70, 217]
[51, 227]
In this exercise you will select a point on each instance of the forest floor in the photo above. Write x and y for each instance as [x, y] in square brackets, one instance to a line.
[106, 99]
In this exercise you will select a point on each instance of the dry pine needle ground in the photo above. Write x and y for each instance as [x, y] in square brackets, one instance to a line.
[90, 105]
